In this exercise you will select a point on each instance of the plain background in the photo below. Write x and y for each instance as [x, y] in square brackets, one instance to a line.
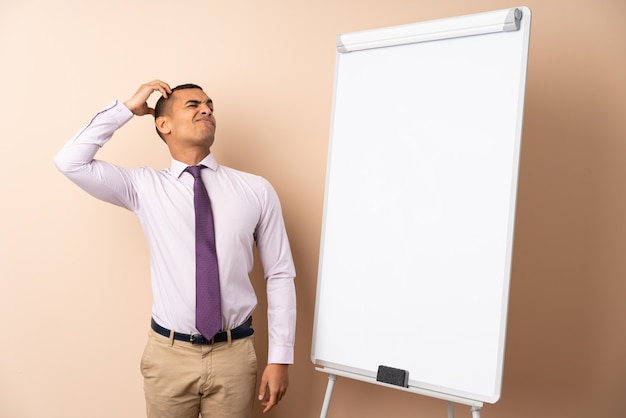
[74, 285]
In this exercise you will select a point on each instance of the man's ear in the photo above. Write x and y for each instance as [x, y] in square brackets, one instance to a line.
[163, 125]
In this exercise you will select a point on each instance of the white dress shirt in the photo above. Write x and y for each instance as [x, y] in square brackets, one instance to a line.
[246, 210]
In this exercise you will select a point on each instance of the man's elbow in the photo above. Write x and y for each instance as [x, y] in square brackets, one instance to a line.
[61, 163]
[65, 165]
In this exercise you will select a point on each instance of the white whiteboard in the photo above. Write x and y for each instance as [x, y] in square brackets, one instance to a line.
[419, 207]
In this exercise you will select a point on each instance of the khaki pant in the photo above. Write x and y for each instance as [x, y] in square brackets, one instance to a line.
[182, 380]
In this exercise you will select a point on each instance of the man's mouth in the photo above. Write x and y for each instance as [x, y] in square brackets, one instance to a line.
[206, 121]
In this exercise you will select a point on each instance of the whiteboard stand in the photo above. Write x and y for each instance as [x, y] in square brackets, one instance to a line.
[475, 410]
[476, 406]
[329, 393]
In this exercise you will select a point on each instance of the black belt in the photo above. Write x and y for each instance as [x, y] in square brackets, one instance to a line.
[242, 331]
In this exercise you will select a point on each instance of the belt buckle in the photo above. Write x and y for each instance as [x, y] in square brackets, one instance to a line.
[196, 338]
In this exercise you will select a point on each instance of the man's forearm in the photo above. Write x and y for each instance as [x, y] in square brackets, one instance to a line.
[75, 160]
[281, 313]
[82, 148]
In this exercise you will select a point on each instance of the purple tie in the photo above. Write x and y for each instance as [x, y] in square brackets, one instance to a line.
[208, 304]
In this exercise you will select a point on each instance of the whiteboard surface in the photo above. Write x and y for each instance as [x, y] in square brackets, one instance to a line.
[419, 211]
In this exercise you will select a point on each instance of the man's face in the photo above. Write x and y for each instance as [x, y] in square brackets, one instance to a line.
[190, 118]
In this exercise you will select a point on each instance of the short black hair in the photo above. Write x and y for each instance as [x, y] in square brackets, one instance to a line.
[162, 105]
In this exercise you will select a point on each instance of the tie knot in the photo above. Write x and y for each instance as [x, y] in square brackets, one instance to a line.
[194, 170]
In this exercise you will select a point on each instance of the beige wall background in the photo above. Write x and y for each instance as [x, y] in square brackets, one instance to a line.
[74, 286]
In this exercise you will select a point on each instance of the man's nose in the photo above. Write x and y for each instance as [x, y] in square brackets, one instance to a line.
[205, 109]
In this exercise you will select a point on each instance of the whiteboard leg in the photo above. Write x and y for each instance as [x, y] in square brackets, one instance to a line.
[475, 411]
[450, 409]
[329, 393]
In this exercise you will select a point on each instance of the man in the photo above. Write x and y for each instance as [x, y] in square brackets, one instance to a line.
[185, 372]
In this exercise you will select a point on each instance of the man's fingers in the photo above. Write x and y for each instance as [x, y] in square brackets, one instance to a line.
[272, 401]
[275, 396]
[164, 90]
[160, 86]
[138, 103]
[272, 397]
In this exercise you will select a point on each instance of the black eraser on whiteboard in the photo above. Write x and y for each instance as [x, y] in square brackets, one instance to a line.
[393, 376]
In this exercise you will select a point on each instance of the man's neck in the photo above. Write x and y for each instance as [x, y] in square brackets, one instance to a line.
[190, 156]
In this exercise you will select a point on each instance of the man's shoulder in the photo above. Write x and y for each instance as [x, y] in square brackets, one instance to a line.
[237, 173]
[254, 181]
[153, 174]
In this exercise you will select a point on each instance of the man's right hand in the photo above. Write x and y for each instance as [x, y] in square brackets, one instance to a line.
[138, 104]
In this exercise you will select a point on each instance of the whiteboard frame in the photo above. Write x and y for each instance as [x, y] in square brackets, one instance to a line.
[490, 22]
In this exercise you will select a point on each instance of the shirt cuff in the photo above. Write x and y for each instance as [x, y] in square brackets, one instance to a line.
[280, 355]
[120, 112]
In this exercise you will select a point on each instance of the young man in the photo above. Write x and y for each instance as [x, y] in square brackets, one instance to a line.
[186, 371]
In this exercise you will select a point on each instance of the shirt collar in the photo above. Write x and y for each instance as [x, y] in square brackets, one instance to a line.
[177, 168]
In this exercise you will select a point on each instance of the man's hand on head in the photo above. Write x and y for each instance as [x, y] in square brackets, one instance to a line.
[138, 104]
